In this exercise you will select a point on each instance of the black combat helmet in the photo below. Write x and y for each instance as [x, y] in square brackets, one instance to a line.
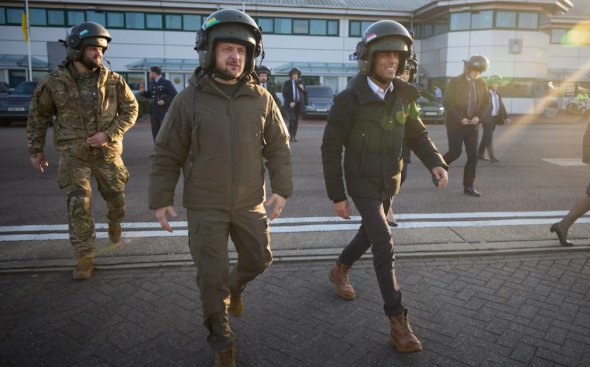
[263, 70]
[228, 25]
[86, 34]
[294, 70]
[384, 35]
[477, 62]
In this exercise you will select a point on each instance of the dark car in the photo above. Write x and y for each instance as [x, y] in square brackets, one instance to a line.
[14, 106]
[431, 110]
[319, 99]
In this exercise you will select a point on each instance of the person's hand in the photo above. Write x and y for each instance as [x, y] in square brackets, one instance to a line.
[342, 209]
[441, 175]
[507, 121]
[465, 121]
[98, 140]
[141, 88]
[475, 120]
[278, 203]
[292, 104]
[39, 162]
[161, 102]
[162, 216]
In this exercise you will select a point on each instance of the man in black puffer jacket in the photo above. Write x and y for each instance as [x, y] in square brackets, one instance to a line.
[371, 120]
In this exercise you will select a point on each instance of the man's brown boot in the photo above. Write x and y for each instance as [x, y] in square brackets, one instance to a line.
[401, 336]
[84, 268]
[339, 276]
[226, 357]
[115, 232]
[236, 306]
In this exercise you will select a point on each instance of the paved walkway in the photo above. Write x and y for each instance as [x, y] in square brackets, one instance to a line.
[511, 310]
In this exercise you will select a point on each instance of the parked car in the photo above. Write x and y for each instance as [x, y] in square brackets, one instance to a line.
[319, 99]
[14, 106]
[431, 110]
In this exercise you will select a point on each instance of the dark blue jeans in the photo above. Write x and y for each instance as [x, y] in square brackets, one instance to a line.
[375, 233]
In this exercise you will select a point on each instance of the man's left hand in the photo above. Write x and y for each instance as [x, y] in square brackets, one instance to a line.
[161, 102]
[442, 177]
[475, 120]
[98, 140]
[278, 202]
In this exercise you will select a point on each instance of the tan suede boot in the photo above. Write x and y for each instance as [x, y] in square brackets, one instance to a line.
[339, 276]
[115, 232]
[84, 268]
[236, 306]
[226, 357]
[401, 336]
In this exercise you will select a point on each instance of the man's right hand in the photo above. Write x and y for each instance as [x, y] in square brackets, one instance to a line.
[162, 216]
[39, 162]
[342, 209]
[292, 104]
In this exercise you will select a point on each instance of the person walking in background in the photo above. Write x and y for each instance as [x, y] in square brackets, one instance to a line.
[371, 120]
[88, 139]
[293, 94]
[221, 154]
[466, 99]
[160, 92]
[496, 114]
[264, 75]
[582, 206]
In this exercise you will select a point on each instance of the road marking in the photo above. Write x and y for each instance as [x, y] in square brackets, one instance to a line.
[565, 162]
[301, 225]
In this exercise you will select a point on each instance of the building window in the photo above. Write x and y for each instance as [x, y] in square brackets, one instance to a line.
[174, 21]
[75, 17]
[482, 19]
[558, 36]
[333, 28]
[459, 22]
[505, 19]
[318, 27]
[153, 21]
[283, 26]
[115, 20]
[528, 20]
[134, 20]
[357, 28]
[300, 26]
[267, 25]
[14, 15]
[428, 30]
[99, 17]
[191, 22]
[37, 17]
[56, 17]
[2, 16]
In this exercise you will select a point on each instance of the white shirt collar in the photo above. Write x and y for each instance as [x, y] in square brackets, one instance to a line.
[157, 79]
[380, 92]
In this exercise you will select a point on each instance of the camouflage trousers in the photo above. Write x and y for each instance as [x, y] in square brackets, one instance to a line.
[74, 175]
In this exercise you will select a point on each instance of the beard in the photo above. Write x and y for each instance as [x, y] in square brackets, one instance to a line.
[89, 63]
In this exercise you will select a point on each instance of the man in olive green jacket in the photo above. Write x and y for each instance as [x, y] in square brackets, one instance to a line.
[219, 130]
[93, 108]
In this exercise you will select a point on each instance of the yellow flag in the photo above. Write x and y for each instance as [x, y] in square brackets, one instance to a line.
[23, 24]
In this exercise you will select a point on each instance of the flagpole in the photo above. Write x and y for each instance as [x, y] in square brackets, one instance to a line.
[30, 77]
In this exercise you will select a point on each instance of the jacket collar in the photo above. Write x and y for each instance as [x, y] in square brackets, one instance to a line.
[365, 94]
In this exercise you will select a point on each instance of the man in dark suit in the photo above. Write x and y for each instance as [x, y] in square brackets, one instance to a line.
[293, 94]
[264, 75]
[161, 92]
[496, 114]
[466, 99]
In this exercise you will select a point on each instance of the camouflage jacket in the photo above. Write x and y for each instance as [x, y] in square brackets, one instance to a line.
[57, 94]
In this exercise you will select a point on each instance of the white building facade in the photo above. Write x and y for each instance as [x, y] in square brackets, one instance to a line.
[528, 42]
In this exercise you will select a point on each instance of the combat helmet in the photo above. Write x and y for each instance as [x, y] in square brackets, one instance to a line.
[384, 35]
[86, 34]
[294, 70]
[494, 79]
[477, 62]
[228, 25]
[262, 69]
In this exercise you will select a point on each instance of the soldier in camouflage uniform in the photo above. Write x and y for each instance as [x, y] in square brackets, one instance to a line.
[93, 107]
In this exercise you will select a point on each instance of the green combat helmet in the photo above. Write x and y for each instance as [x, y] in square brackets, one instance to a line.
[384, 35]
[228, 25]
[86, 34]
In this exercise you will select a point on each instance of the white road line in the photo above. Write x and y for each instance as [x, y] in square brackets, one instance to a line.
[300, 229]
[565, 162]
[301, 220]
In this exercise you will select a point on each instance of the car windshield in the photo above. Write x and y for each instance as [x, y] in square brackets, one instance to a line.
[325, 92]
[25, 88]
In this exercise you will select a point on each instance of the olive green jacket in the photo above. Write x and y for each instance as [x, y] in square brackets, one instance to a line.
[220, 144]
[57, 94]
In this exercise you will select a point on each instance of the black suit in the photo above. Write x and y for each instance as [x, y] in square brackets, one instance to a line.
[456, 101]
[289, 96]
[489, 125]
[160, 90]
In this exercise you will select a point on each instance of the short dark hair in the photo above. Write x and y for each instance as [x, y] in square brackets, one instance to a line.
[156, 69]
